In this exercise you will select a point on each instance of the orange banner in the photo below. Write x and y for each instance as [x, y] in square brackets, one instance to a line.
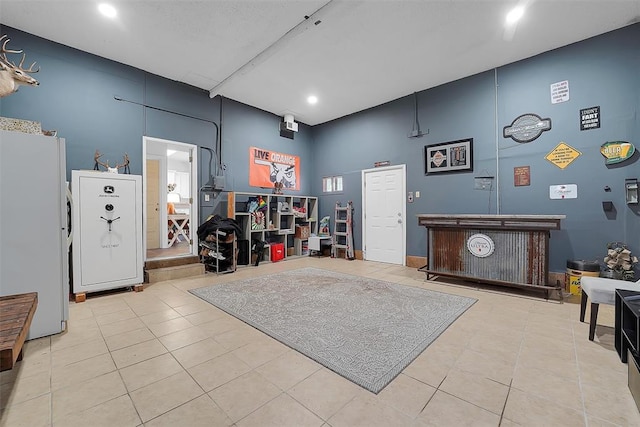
[268, 167]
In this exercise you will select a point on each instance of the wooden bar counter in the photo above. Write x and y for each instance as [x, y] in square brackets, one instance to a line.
[506, 250]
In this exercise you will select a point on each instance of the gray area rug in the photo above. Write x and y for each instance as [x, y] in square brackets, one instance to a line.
[364, 329]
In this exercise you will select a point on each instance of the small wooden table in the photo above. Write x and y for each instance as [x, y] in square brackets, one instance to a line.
[16, 313]
[177, 224]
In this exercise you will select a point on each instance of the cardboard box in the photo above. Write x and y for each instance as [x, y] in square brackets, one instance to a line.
[302, 232]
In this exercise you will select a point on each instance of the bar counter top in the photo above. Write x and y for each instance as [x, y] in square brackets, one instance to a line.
[517, 222]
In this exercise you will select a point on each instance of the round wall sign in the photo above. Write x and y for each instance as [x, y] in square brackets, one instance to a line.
[480, 245]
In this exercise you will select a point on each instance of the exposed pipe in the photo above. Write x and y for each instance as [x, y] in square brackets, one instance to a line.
[117, 98]
[495, 83]
[212, 152]
[219, 148]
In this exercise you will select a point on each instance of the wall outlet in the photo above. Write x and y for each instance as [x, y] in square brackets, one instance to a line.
[207, 197]
[417, 194]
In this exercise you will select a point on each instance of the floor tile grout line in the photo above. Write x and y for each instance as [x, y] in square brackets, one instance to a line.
[575, 350]
[470, 403]
[580, 385]
[142, 361]
[506, 399]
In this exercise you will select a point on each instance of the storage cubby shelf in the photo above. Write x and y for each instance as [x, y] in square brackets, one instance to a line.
[281, 215]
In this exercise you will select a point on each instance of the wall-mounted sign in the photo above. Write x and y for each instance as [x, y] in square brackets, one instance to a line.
[268, 167]
[563, 191]
[483, 183]
[480, 245]
[526, 128]
[383, 163]
[560, 92]
[521, 176]
[617, 151]
[590, 118]
[562, 155]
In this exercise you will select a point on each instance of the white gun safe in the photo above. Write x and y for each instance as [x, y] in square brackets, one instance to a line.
[107, 230]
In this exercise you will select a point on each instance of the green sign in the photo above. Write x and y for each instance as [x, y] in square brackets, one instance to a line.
[617, 151]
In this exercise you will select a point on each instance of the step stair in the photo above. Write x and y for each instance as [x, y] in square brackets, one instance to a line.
[173, 268]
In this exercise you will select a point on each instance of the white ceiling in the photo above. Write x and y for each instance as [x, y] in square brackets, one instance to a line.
[363, 53]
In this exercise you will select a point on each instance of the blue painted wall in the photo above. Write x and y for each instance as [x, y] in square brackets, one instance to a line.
[77, 92]
[602, 71]
[77, 95]
[245, 126]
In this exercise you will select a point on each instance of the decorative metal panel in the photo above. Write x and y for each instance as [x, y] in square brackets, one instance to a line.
[519, 256]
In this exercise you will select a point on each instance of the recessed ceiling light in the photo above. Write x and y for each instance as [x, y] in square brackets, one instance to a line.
[515, 15]
[107, 10]
[312, 99]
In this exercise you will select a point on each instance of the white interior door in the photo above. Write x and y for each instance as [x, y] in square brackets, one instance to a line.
[153, 203]
[384, 211]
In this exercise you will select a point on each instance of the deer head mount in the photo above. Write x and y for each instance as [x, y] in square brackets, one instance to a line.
[98, 163]
[12, 76]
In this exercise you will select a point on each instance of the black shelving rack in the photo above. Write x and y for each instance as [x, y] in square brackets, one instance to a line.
[627, 336]
[218, 252]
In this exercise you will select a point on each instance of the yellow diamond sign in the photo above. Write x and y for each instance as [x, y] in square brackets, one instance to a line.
[562, 155]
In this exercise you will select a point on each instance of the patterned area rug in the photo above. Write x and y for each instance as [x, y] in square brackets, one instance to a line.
[364, 329]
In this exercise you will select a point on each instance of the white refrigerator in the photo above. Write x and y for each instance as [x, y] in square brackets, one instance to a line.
[33, 226]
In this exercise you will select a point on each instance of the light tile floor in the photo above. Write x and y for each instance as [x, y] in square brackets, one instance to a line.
[163, 357]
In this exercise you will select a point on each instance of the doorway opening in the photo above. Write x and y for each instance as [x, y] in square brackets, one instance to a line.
[170, 199]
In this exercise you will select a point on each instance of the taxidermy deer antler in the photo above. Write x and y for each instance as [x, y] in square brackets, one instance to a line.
[125, 164]
[11, 75]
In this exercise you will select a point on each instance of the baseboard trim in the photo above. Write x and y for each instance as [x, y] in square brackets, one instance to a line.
[416, 261]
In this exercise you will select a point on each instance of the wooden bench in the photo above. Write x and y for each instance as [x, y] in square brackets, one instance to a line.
[16, 313]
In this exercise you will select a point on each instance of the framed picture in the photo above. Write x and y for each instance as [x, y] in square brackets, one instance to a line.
[452, 156]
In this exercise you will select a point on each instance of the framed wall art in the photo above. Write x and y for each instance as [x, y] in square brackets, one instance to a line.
[452, 156]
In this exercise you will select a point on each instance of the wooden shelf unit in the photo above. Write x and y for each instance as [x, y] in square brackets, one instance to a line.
[282, 215]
